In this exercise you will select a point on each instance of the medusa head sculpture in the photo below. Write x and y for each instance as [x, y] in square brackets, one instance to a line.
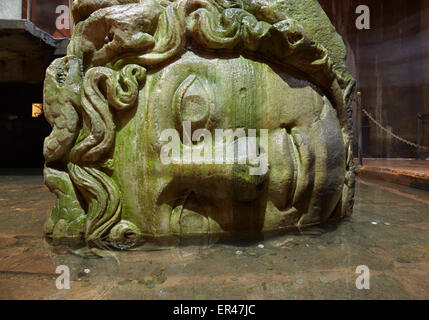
[153, 94]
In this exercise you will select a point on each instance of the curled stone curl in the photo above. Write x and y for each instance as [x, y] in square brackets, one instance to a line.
[102, 88]
[165, 28]
[98, 133]
[123, 86]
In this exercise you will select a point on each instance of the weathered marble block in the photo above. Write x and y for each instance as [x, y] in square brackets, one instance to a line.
[139, 105]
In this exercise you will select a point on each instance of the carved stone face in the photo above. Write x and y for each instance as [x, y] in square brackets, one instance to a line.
[142, 79]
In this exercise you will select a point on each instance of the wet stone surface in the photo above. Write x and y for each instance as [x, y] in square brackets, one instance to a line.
[319, 263]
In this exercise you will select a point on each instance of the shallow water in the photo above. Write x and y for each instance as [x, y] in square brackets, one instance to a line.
[388, 232]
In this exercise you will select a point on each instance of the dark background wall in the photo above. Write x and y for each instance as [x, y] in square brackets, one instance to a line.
[21, 136]
[391, 64]
[25, 53]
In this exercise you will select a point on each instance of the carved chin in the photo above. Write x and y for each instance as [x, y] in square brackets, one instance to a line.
[305, 142]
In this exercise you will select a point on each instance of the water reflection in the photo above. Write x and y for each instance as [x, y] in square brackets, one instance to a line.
[389, 233]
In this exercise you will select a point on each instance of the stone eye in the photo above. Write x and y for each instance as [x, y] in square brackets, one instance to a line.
[192, 103]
